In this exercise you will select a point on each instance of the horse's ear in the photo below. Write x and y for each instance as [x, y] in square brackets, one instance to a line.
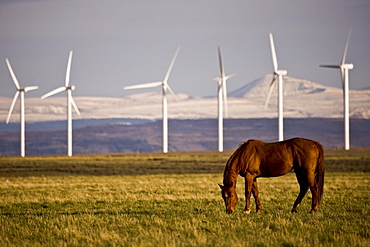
[221, 186]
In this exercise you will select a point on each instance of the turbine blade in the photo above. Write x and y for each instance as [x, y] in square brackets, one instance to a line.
[222, 69]
[12, 106]
[330, 66]
[273, 80]
[55, 91]
[30, 88]
[346, 48]
[68, 72]
[171, 65]
[16, 83]
[273, 52]
[229, 76]
[270, 91]
[168, 88]
[75, 106]
[144, 85]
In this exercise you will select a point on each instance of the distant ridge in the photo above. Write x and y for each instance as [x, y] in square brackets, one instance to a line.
[302, 99]
[184, 135]
[292, 86]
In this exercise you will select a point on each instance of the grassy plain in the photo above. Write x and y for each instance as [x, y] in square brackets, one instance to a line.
[173, 200]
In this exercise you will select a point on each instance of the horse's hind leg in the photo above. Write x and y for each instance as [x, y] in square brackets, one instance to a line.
[303, 188]
[313, 187]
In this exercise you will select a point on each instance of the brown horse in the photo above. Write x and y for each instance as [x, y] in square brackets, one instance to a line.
[254, 159]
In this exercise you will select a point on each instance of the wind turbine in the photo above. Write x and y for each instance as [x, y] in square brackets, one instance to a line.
[20, 91]
[344, 68]
[279, 75]
[70, 102]
[165, 88]
[222, 95]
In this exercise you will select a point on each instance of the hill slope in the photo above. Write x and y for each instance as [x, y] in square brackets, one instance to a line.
[184, 135]
[302, 99]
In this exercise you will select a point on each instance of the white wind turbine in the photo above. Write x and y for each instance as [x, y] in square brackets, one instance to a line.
[344, 68]
[165, 88]
[279, 75]
[70, 103]
[222, 95]
[20, 91]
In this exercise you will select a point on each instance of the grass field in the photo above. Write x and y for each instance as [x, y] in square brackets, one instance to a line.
[173, 200]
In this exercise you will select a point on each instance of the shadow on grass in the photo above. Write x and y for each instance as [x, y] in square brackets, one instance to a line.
[356, 160]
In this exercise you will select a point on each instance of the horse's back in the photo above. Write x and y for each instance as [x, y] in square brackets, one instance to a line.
[306, 145]
[279, 158]
[276, 159]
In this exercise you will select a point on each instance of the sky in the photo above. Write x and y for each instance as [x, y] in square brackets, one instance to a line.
[121, 43]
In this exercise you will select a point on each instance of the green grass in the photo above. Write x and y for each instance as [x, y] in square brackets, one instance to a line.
[173, 200]
[116, 164]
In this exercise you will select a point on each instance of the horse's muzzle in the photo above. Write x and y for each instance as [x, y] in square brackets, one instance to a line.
[229, 211]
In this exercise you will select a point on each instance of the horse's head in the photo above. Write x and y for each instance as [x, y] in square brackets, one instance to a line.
[230, 198]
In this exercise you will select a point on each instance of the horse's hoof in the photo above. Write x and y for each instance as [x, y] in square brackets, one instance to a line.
[258, 210]
[294, 211]
[246, 212]
[312, 211]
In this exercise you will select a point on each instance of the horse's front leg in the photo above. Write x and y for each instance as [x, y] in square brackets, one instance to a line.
[256, 197]
[248, 191]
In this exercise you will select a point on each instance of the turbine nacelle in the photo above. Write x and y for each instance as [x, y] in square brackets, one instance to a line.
[72, 87]
[347, 66]
[218, 79]
[281, 72]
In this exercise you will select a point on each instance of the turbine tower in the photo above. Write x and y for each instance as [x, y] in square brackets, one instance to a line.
[279, 75]
[20, 91]
[70, 102]
[222, 95]
[344, 68]
[165, 88]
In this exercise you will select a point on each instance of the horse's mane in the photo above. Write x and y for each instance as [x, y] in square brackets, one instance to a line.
[244, 152]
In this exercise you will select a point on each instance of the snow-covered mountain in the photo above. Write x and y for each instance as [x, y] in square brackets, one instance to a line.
[302, 99]
[292, 86]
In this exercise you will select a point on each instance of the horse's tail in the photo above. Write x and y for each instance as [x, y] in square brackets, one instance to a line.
[320, 171]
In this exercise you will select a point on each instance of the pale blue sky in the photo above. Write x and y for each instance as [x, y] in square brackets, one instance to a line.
[119, 43]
